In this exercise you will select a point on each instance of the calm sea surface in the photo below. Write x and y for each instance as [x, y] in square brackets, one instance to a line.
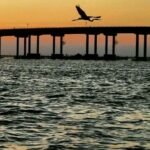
[74, 105]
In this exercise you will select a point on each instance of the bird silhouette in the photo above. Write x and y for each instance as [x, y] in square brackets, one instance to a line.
[83, 15]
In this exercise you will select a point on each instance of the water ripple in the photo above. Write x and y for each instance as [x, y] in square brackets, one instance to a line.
[60, 105]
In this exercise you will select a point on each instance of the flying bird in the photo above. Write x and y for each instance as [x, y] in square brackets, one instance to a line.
[83, 15]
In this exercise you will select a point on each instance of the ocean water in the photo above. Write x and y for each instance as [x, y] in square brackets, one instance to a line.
[74, 105]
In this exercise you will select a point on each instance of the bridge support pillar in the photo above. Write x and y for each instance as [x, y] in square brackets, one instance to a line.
[61, 45]
[54, 47]
[137, 46]
[106, 45]
[25, 46]
[145, 46]
[95, 45]
[17, 47]
[38, 44]
[113, 45]
[87, 44]
[29, 44]
[0, 46]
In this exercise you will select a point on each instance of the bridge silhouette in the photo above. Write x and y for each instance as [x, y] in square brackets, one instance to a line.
[26, 33]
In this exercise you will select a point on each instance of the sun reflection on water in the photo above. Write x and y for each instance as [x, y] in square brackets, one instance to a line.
[14, 147]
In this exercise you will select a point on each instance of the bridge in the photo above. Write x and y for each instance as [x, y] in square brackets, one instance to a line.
[26, 33]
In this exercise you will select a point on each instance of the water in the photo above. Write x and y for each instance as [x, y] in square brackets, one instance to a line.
[74, 105]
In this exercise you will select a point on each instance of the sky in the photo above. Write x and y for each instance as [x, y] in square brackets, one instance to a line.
[60, 13]
[19, 13]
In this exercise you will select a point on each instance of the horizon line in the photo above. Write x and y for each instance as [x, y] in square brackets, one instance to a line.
[46, 27]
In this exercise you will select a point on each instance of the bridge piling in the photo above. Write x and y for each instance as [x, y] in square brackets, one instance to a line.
[87, 44]
[38, 44]
[0, 46]
[61, 45]
[25, 47]
[113, 45]
[106, 45]
[54, 47]
[145, 46]
[95, 45]
[29, 45]
[17, 47]
[137, 46]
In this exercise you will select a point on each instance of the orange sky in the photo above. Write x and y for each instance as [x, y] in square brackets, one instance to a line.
[55, 13]
[19, 13]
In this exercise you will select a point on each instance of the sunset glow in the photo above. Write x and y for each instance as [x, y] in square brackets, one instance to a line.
[20, 13]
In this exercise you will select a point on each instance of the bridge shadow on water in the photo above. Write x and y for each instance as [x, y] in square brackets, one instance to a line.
[81, 57]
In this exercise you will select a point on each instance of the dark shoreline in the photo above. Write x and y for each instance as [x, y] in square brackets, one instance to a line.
[79, 57]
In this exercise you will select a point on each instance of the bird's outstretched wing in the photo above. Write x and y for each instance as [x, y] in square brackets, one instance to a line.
[98, 17]
[81, 12]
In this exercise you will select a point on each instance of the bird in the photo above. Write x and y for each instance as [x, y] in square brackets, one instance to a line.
[84, 16]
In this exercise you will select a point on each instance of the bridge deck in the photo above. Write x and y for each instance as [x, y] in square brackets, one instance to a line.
[26, 33]
[75, 30]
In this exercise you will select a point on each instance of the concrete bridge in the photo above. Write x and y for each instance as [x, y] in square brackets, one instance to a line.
[26, 33]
